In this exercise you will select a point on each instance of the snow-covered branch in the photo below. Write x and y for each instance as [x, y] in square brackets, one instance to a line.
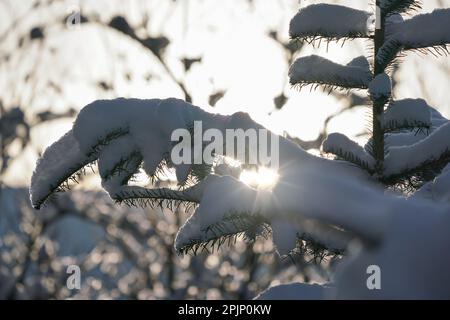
[437, 190]
[320, 71]
[431, 151]
[329, 21]
[123, 134]
[341, 146]
[406, 114]
[423, 32]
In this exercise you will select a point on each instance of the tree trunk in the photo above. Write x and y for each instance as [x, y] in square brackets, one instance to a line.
[378, 105]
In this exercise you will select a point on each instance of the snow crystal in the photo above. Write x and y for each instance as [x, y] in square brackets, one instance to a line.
[401, 159]
[331, 21]
[316, 69]
[380, 87]
[409, 112]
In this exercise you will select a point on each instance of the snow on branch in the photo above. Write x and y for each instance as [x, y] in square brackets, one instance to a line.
[406, 114]
[407, 137]
[61, 162]
[423, 32]
[431, 152]
[341, 146]
[308, 237]
[226, 212]
[329, 21]
[122, 134]
[320, 71]
[380, 87]
[390, 7]
[437, 190]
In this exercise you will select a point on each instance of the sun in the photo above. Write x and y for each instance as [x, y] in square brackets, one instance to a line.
[263, 178]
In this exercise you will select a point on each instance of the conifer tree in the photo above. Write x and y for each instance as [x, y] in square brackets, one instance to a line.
[384, 156]
[409, 147]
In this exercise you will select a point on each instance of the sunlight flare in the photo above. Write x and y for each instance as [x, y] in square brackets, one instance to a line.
[263, 178]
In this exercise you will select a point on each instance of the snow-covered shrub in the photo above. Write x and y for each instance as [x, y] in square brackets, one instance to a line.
[318, 206]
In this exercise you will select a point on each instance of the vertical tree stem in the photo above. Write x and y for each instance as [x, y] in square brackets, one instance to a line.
[378, 105]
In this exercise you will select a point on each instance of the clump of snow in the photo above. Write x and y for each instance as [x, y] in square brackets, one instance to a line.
[330, 21]
[406, 113]
[222, 196]
[380, 87]
[411, 256]
[360, 62]
[316, 69]
[405, 158]
[342, 146]
[393, 23]
[284, 236]
[295, 291]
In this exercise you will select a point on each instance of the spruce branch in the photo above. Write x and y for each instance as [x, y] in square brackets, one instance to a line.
[424, 33]
[405, 124]
[342, 23]
[316, 70]
[158, 197]
[65, 182]
[226, 232]
[348, 150]
[413, 178]
[122, 166]
[309, 246]
[106, 139]
[407, 114]
[390, 7]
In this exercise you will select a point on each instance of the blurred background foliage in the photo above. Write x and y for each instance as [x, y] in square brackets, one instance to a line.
[58, 55]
